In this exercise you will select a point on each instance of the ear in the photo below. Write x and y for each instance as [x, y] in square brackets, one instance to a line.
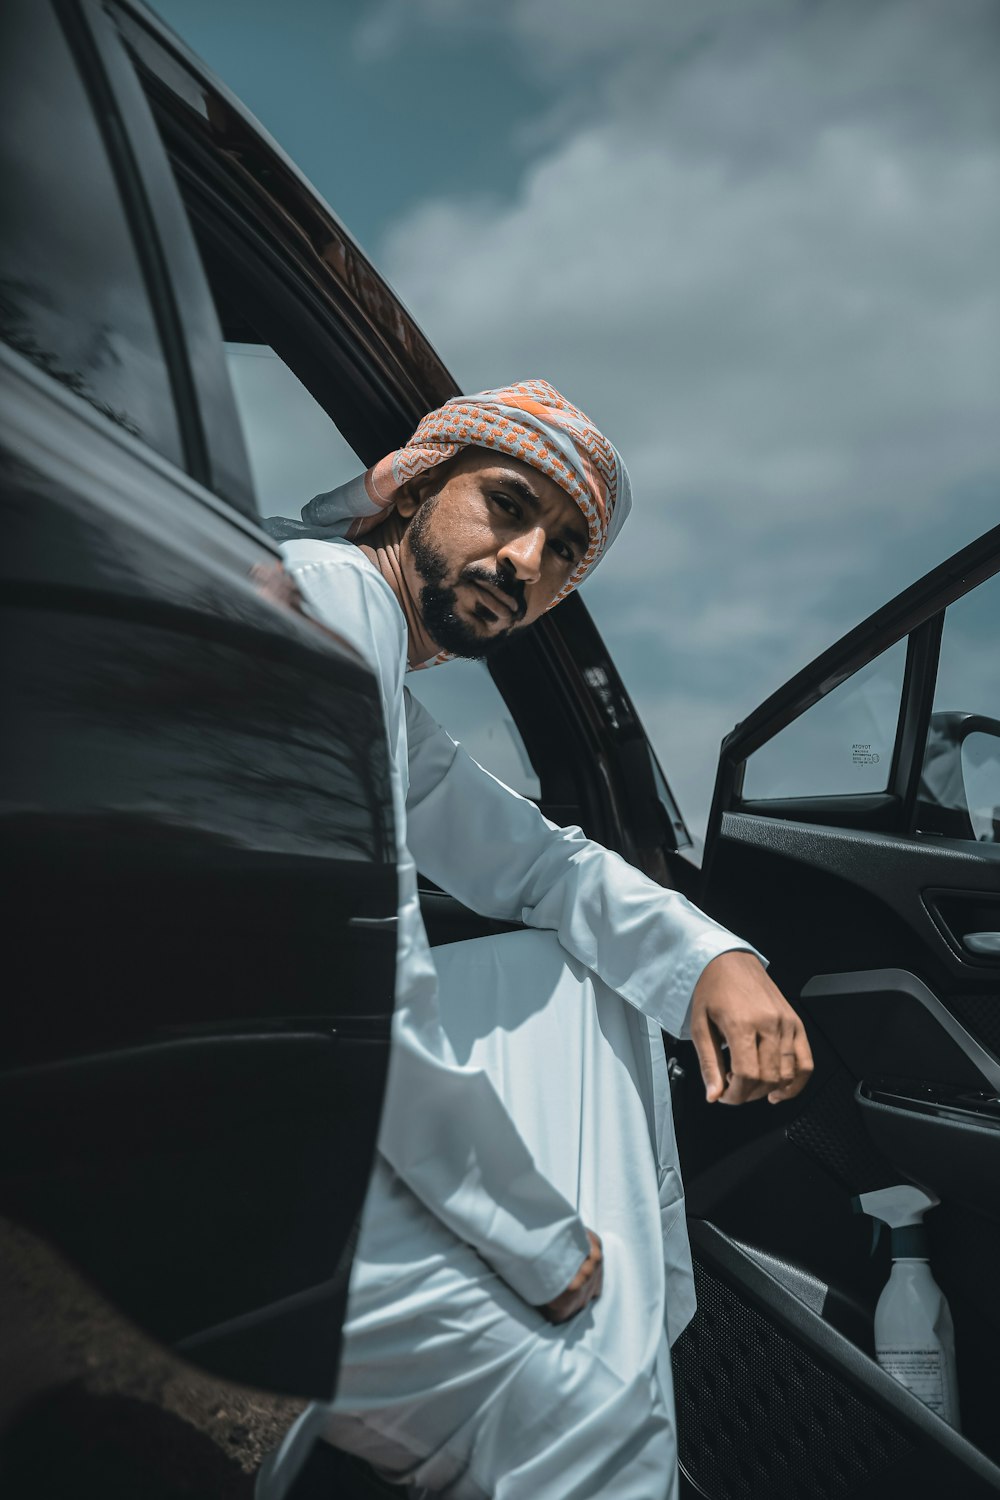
[410, 497]
[416, 490]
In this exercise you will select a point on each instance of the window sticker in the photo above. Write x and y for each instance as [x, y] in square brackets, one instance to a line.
[842, 745]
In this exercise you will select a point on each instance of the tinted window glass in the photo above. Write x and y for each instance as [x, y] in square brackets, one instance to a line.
[464, 698]
[72, 296]
[841, 745]
[295, 450]
[293, 442]
[960, 784]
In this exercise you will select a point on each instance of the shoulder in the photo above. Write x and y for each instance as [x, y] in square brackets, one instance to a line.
[350, 595]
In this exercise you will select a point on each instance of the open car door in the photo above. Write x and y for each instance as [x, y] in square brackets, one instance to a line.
[195, 810]
[855, 839]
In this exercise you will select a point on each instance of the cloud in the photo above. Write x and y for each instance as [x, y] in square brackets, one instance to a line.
[757, 242]
[387, 28]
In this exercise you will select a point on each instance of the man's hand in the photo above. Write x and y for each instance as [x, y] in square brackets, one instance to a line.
[585, 1286]
[737, 1007]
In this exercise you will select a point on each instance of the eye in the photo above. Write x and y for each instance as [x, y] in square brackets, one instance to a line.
[505, 503]
[563, 550]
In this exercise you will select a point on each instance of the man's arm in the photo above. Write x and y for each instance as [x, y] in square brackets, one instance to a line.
[495, 852]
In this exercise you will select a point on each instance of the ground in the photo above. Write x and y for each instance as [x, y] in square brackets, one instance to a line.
[90, 1406]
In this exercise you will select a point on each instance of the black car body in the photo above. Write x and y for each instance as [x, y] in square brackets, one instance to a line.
[200, 847]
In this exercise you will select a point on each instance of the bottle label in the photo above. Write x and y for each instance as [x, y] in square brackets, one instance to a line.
[921, 1371]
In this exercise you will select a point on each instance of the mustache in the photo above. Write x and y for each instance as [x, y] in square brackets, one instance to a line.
[505, 582]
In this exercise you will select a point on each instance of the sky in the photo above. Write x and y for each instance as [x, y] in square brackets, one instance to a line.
[756, 240]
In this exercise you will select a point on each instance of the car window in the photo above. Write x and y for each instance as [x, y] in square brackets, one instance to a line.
[294, 445]
[463, 697]
[72, 295]
[841, 745]
[295, 450]
[960, 781]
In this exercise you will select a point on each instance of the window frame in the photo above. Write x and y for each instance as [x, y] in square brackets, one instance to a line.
[250, 200]
[192, 338]
[85, 29]
[294, 322]
[916, 613]
[80, 31]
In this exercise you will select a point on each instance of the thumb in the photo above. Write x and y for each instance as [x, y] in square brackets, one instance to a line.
[710, 1058]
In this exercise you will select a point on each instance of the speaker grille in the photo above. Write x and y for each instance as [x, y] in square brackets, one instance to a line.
[832, 1132]
[756, 1415]
[979, 1014]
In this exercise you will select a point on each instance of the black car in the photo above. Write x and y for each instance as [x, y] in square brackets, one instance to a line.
[198, 835]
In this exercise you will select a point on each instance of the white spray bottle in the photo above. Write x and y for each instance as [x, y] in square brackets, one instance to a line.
[914, 1334]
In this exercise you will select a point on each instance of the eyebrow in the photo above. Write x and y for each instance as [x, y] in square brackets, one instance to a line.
[568, 533]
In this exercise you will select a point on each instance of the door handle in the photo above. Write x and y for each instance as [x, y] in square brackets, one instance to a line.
[986, 944]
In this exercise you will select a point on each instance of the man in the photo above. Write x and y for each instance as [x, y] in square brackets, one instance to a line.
[523, 1252]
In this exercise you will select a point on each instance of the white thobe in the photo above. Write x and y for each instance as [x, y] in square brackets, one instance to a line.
[527, 1096]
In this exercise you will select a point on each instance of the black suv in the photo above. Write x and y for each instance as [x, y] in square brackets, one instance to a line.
[201, 890]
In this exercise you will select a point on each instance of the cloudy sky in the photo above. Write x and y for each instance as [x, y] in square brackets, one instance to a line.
[756, 239]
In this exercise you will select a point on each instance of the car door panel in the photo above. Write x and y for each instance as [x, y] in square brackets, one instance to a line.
[193, 1178]
[197, 788]
[948, 1140]
[864, 920]
[772, 1400]
[196, 805]
[888, 1022]
[827, 888]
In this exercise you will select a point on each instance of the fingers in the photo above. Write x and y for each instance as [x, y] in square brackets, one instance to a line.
[586, 1286]
[776, 1063]
[770, 1044]
[593, 1266]
[738, 1010]
[787, 1065]
[597, 1256]
[749, 1078]
[797, 1067]
[708, 1045]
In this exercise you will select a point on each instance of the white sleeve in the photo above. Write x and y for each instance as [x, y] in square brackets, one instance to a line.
[495, 852]
[444, 1129]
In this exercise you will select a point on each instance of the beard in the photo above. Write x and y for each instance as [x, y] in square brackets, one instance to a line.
[438, 600]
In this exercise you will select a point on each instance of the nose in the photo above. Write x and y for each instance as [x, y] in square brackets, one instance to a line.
[524, 553]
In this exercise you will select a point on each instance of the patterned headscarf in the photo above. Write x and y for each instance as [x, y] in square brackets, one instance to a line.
[529, 421]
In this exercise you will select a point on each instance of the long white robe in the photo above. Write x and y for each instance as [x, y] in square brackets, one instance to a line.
[527, 1097]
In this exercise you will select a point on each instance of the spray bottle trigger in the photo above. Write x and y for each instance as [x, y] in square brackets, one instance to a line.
[858, 1207]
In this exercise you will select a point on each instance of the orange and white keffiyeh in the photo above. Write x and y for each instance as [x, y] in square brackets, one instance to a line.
[530, 421]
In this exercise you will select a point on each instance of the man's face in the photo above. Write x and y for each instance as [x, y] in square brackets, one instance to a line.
[489, 546]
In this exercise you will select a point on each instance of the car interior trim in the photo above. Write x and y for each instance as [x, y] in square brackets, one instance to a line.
[895, 981]
[801, 1283]
[917, 700]
[896, 871]
[927, 1440]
